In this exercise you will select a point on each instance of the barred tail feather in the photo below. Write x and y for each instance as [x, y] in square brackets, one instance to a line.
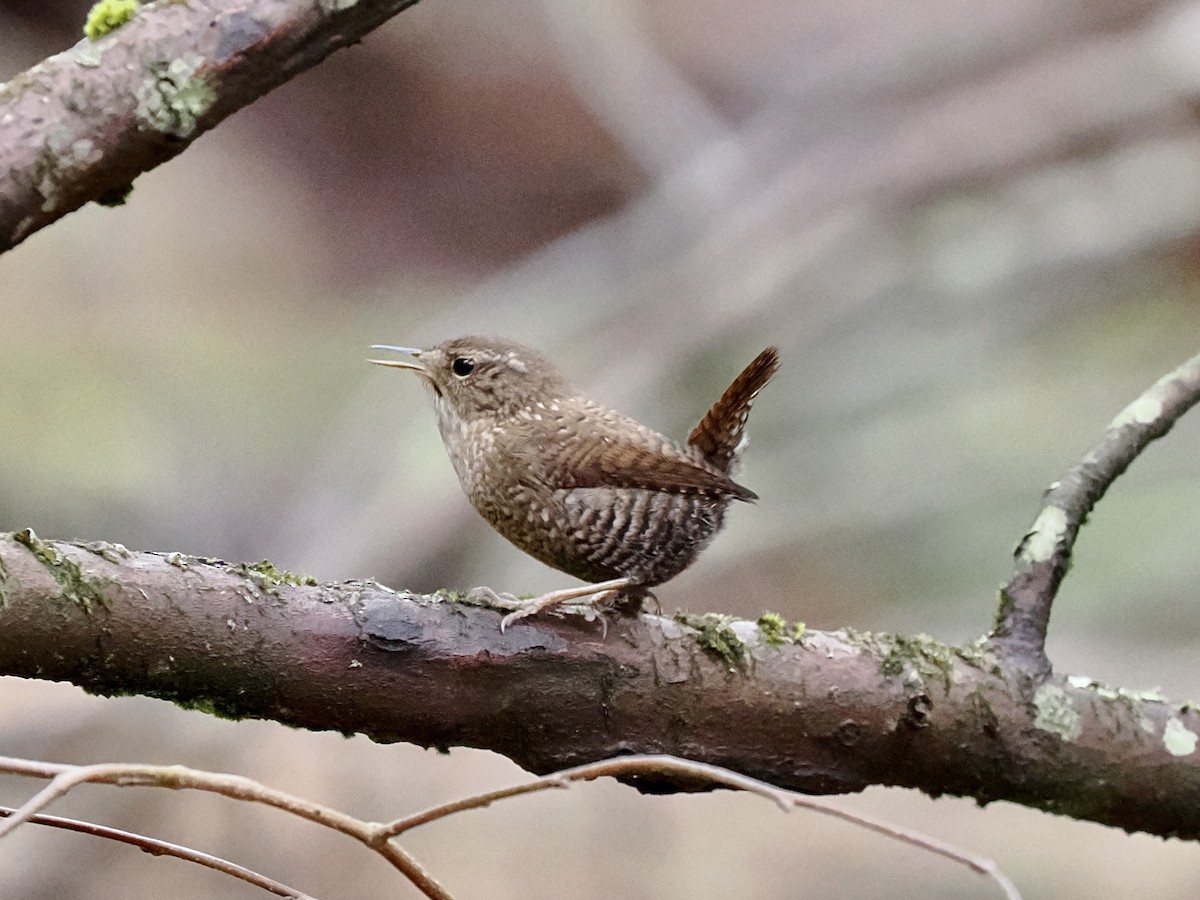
[721, 433]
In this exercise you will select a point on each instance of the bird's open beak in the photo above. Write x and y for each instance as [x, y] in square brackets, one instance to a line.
[399, 363]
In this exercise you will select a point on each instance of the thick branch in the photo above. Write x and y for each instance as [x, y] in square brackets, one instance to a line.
[833, 713]
[1044, 554]
[84, 123]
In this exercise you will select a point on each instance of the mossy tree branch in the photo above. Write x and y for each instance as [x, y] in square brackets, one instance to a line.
[831, 712]
[82, 124]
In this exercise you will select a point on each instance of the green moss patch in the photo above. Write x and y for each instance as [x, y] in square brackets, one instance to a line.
[716, 637]
[107, 16]
[777, 631]
[77, 587]
[174, 96]
[898, 653]
[268, 577]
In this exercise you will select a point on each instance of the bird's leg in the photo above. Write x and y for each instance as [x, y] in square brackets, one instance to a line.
[595, 593]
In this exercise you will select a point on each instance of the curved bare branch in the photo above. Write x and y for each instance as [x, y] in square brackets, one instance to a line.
[1044, 553]
[660, 767]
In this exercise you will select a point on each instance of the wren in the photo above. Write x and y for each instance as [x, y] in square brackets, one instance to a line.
[573, 483]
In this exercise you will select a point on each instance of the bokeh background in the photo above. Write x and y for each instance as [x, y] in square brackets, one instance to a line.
[973, 229]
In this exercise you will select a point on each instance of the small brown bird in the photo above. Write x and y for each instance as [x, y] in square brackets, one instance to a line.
[574, 484]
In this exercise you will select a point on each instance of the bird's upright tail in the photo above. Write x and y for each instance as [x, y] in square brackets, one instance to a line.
[721, 433]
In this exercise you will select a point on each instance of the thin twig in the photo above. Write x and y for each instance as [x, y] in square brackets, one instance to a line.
[380, 837]
[166, 848]
[66, 777]
[1043, 555]
[628, 766]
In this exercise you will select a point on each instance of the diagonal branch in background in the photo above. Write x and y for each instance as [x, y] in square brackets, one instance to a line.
[827, 713]
[1044, 554]
[82, 124]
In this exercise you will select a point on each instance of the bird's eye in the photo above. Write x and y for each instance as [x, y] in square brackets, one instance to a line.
[463, 366]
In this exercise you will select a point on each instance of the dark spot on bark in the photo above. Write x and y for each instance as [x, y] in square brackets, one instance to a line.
[849, 732]
[919, 708]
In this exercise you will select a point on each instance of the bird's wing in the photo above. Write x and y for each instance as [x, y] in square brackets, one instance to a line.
[616, 462]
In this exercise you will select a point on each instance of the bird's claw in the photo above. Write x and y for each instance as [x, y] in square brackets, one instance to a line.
[513, 616]
[587, 611]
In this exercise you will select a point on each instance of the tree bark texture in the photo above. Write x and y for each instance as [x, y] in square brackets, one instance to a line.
[826, 713]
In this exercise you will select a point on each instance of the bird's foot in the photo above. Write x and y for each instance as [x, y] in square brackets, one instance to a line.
[570, 601]
[486, 596]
